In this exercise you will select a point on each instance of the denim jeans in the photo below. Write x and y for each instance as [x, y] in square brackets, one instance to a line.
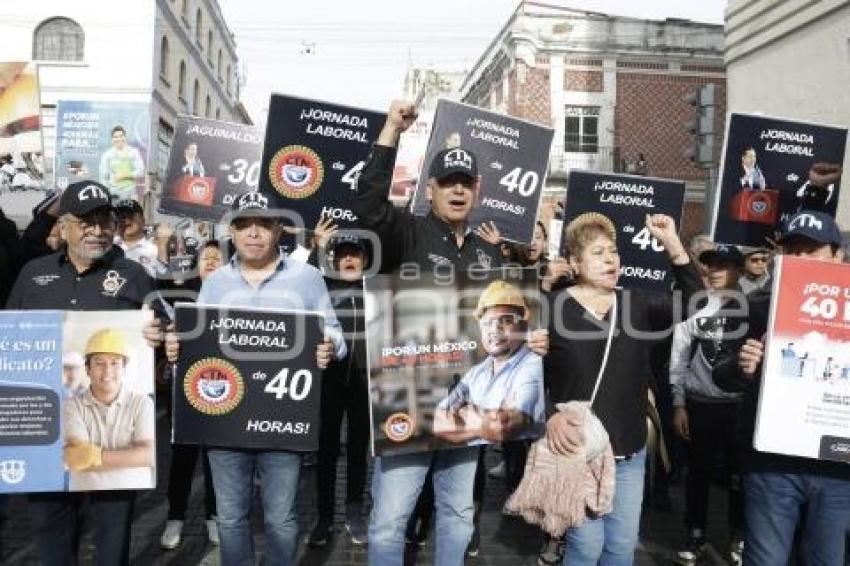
[57, 519]
[233, 478]
[612, 538]
[772, 509]
[396, 483]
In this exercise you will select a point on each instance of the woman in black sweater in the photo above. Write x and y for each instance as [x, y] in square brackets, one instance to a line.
[578, 332]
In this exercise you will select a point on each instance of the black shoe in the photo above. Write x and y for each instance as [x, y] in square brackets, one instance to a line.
[321, 532]
[695, 549]
[474, 544]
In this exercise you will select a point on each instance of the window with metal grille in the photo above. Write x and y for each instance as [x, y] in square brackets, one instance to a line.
[581, 129]
[58, 39]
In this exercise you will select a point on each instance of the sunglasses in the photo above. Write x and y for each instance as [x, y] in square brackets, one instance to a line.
[246, 222]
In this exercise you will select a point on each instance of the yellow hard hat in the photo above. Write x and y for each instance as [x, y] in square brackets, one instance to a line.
[500, 293]
[107, 341]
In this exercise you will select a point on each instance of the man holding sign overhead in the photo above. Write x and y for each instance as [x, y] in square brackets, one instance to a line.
[260, 275]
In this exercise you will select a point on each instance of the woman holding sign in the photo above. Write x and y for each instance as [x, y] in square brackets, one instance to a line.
[602, 334]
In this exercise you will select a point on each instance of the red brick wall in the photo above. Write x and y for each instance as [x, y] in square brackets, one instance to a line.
[584, 81]
[693, 217]
[650, 116]
[529, 99]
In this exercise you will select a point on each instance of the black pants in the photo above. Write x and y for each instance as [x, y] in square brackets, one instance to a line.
[183, 459]
[514, 453]
[712, 429]
[349, 397]
[58, 519]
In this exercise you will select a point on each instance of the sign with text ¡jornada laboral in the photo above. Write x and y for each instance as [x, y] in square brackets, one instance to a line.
[313, 154]
[48, 397]
[771, 168]
[512, 157]
[626, 200]
[430, 357]
[247, 378]
[804, 403]
[106, 141]
[212, 164]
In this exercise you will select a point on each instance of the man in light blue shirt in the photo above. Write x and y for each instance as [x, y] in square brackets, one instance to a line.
[502, 397]
[259, 275]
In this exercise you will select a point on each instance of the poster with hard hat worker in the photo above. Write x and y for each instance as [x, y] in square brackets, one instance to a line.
[511, 156]
[449, 363]
[76, 402]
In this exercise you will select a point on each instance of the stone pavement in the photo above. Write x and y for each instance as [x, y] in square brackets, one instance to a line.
[504, 541]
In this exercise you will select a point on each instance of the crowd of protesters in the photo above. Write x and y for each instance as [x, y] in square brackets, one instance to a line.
[624, 350]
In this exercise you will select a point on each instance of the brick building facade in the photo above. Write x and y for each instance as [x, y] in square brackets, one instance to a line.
[613, 88]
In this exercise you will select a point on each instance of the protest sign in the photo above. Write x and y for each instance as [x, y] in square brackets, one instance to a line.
[57, 369]
[804, 403]
[770, 169]
[512, 157]
[212, 164]
[626, 200]
[22, 182]
[107, 141]
[247, 378]
[313, 154]
[431, 345]
[410, 159]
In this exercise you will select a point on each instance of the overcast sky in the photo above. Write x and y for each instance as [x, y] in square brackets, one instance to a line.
[355, 52]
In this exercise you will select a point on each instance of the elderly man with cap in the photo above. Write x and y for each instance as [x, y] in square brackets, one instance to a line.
[441, 241]
[778, 488]
[501, 397]
[109, 430]
[260, 275]
[704, 415]
[89, 273]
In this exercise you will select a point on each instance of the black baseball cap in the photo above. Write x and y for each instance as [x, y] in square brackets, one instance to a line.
[453, 160]
[128, 206]
[343, 241]
[83, 197]
[812, 224]
[252, 205]
[722, 253]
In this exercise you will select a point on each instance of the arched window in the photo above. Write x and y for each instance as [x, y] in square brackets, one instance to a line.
[163, 57]
[181, 83]
[218, 64]
[199, 24]
[184, 11]
[218, 113]
[58, 39]
[196, 99]
[229, 78]
[207, 107]
[209, 46]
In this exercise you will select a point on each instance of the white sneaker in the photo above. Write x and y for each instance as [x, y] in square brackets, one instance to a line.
[497, 471]
[212, 531]
[171, 535]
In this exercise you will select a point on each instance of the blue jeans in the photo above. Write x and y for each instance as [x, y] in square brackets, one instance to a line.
[612, 538]
[772, 509]
[57, 520]
[396, 483]
[233, 478]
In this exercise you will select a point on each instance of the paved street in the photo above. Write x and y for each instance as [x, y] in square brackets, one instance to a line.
[504, 541]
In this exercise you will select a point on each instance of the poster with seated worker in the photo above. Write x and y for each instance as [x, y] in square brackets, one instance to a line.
[76, 402]
[449, 361]
[772, 168]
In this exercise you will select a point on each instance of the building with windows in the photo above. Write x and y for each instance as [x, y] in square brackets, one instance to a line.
[807, 44]
[179, 55]
[613, 88]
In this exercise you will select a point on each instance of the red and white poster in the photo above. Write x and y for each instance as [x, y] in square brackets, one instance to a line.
[804, 406]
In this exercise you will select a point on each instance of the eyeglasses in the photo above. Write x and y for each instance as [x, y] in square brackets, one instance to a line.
[499, 321]
[246, 222]
[105, 220]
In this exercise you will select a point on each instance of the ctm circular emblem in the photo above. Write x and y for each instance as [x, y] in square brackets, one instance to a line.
[296, 171]
[199, 190]
[399, 427]
[213, 386]
[760, 205]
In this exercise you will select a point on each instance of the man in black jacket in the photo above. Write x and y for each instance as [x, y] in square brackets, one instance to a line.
[777, 488]
[441, 241]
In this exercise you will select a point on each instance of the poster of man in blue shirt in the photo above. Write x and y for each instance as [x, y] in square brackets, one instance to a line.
[502, 397]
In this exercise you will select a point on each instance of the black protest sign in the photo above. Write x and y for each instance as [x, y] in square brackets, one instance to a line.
[313, 154]
[512, 157]
[626, 200]
[770, 169]
[247, 378]
[212, 164]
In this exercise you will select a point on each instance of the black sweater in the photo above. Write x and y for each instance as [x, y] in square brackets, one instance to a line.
[572, 364]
